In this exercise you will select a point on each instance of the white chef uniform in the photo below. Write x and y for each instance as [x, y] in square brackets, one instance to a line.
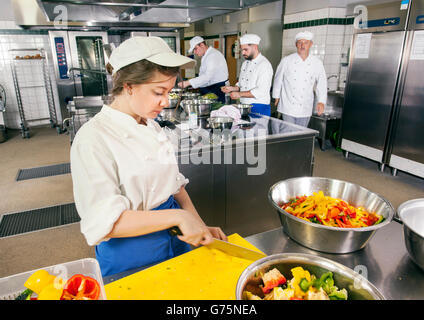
[213, 69]
[256, 77]
[294, 85]
[117, 165]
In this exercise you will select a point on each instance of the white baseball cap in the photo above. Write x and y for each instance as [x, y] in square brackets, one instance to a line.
[153, 49]
[194, 42]
[304, 35]
[250, 38]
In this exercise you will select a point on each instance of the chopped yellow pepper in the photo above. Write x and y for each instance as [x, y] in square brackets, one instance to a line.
[39, 280]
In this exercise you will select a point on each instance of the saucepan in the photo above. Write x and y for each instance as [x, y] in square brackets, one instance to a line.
[411, 215]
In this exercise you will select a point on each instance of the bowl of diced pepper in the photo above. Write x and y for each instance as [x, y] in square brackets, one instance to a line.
[299, 276]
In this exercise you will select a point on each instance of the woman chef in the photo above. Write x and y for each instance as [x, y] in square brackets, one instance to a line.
[127, 187]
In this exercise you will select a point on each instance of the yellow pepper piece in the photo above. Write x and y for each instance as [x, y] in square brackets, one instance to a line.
[298, 274]
[52, 291]
[39, 280]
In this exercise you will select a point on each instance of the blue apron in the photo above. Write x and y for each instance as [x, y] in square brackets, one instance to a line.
[121, 254]
[263, 109]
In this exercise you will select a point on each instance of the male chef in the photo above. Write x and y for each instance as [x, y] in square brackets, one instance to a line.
[295, 79]
[213, 72]
[255, 78]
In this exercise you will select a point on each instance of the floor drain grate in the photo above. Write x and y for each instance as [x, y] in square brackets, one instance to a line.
[38, 219]
[41, 172]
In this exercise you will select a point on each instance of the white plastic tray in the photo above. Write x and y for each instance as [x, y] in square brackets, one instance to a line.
[12, 286]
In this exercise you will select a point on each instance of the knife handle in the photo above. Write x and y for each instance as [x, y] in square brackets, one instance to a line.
[175, 231]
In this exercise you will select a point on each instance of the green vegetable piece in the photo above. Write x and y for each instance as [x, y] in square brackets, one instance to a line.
[338, 294]
[327, 281]
[304, 284]
[25, 295]
[380, 220]
[317, 283]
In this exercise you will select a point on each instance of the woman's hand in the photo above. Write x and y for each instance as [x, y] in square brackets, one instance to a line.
[194, 231]
[217, 233]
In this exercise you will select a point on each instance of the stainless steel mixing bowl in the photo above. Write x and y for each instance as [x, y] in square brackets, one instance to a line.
[243, 108]
[220, 123]
[190, 95]
[411, 214]
[357, 286]
[324, 238]
[201, 107]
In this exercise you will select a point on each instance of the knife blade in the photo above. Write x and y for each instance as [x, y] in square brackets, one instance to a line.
[228, 248]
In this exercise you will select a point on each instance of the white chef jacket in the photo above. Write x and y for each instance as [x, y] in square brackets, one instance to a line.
[117, 165]
[256, 77]
[294, 85]
[213, 69]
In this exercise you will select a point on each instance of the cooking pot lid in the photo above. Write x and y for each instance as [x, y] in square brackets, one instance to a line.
[412, 215]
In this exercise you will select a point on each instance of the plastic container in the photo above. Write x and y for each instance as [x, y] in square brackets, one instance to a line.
[12, 286]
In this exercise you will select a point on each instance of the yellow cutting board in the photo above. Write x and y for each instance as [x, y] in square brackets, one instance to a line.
[201, 274]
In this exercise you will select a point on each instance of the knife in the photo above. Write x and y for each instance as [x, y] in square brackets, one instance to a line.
[228, 248]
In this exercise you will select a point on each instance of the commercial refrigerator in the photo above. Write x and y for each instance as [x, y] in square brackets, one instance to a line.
[405, 149]
[383, 114]
[373, 81]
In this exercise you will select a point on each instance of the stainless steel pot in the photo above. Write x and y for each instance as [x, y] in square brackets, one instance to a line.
[173, 103]
[411, 215]
[357, 286]
[201, 107]
[243, 108]
[324, 238]
[220, 123]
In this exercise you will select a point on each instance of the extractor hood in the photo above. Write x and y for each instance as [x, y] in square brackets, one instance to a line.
[158, 14]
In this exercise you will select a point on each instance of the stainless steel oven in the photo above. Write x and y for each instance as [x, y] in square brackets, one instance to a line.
[80, 64]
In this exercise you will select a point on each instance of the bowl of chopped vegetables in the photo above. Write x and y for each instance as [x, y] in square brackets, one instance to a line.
[329, 215]
[299, 276]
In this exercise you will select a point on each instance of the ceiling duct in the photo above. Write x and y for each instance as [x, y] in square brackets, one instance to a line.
[157, 14]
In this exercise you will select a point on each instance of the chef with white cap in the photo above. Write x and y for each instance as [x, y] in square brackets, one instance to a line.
[294, 82]
[128, 189]
[213, 72]
[255, 78]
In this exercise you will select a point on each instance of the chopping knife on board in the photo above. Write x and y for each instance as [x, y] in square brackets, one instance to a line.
[228, 248]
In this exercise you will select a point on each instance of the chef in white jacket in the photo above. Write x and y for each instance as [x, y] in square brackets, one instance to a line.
[128, 189]
[213, 72]
[295, 79]
[255, 78]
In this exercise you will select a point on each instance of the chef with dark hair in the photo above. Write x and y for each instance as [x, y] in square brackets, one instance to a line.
[255, 78]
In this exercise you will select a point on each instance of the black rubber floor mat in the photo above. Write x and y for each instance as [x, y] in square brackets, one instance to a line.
[38, 219]
[41, 172]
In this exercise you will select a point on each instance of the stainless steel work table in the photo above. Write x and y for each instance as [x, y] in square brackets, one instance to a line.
[384, 261]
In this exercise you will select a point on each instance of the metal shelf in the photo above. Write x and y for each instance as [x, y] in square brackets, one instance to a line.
[23, 72]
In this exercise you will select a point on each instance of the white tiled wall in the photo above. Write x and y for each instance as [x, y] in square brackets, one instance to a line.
[34, 99]
[331, 42]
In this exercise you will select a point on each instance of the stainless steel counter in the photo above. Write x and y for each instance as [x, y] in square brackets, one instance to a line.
[384, 261]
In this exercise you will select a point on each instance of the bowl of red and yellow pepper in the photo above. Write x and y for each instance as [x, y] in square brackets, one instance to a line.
[329, 215]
